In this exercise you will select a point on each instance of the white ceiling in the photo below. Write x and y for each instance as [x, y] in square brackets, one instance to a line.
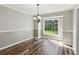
[44, 8]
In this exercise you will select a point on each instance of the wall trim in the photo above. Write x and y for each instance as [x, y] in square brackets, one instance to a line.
[30, 29]
[16, 9]
[67, 30]
[14, 30]
[39, 37]
[15, 43]
[75, 29]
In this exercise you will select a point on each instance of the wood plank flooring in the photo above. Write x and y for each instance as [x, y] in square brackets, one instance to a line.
[38, 47]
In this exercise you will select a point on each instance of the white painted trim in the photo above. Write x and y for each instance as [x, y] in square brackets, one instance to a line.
[15, 30]
[52, 17]
[75, 28]
[15, 43]
[67, 30]
[5, 5]
[60, 27]
[40, 37]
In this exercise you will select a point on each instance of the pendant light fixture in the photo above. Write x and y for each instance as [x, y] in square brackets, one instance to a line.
[37, 17]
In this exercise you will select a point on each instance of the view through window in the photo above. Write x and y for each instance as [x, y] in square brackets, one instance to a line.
[51, 27]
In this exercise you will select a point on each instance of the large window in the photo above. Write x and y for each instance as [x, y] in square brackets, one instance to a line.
[51, 27]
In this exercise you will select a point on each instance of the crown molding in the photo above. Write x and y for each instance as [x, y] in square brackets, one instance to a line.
[5, 5]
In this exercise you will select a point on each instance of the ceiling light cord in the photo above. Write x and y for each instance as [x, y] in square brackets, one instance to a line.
[37, 9]
[37, 17]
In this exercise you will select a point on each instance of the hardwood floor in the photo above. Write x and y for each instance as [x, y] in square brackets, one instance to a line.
[38, 47]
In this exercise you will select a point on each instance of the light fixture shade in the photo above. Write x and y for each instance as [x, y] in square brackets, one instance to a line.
[34, 18]
[39, 17]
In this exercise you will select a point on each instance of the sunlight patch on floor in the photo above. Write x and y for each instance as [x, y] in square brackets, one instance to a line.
[60, 43]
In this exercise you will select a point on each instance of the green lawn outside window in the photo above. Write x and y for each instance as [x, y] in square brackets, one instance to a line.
[51, 28]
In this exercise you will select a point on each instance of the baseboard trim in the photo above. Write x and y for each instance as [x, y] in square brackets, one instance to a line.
[70, 45]
[15, 43]
[39, 37]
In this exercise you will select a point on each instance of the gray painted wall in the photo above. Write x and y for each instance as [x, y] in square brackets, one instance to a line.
[67, 24]
[14, 26]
